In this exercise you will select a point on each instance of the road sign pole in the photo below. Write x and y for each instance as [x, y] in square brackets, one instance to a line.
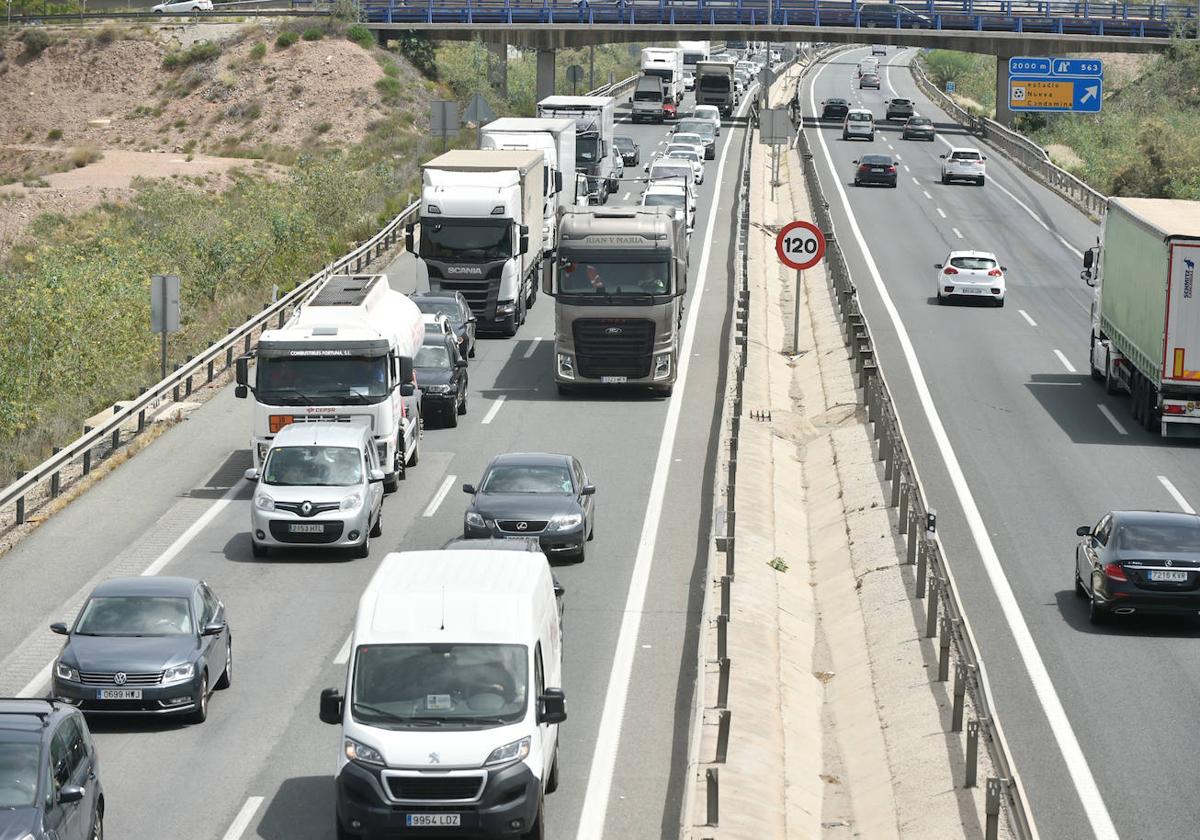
[796, 313]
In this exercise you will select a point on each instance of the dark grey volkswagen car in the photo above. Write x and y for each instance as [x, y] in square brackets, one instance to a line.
[145, 645]
[525, 494]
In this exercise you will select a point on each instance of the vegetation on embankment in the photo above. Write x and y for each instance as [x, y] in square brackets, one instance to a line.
[1145, 141]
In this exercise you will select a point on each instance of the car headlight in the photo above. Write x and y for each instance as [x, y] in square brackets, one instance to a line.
[264, 502]
[566, 521]
[509, 753]
[436, 389]
[566, 366]
[65, 672]
[474, 519]
[351, 502]
[662, 366]
[506, 308]
[179, 673]
[362, 753]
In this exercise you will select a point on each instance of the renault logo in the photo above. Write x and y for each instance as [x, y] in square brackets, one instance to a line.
[119, 678]
[306, 508]
[434, 758]
[522, 526]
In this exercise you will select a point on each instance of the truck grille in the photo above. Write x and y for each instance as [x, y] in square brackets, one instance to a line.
[131, 680]
[435, 788]
[613, 347]
[481, 294]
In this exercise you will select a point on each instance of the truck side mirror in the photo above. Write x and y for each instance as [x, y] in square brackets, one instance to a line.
[1089, 257]
[548, 280]
[331, 706]
[407, 389]
[242, 377]
[558, 184]
[552, 706]
[681, 267]
[524, 245]
[408, 238]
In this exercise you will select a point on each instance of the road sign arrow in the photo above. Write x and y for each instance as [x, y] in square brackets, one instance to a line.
[1089, 93]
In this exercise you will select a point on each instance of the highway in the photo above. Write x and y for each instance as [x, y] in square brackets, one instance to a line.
[262, 765]
[1017, 446]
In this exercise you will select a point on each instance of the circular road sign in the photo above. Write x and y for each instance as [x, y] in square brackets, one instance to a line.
[800, 245]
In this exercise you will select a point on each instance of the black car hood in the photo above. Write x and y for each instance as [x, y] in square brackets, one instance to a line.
[433, 376]
[129, 654]
[523, 505]
[17, 823]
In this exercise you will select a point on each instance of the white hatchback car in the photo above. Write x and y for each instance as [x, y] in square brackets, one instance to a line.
[963, 164]
[859, 122]
[184, 6]
[971, 274]
[711, 113]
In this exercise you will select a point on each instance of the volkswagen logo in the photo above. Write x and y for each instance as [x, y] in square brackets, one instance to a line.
[434, 758]
[306, 508]
[522, 526]
[613, 331]
[119, 678]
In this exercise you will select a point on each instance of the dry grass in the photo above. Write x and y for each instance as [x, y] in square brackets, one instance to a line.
[81, 156]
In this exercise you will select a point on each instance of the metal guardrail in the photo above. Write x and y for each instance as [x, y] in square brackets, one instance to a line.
[216, 359]
[217, 12]
[616, 88]
[934, 579]
[1018, 148]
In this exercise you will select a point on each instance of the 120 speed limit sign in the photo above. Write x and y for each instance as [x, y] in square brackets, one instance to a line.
[800, 245]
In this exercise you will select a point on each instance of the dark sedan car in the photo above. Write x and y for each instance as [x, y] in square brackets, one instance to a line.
[1139, 561]
[457, 311]
[631, 155]
[869, 80]
[835, 109]
[533, 494]
[49, 773]
[899, 109]
[442, 377]
[875, 169]
[145, 645]
[919, 128]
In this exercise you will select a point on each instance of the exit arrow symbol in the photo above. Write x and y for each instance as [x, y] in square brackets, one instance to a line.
[1089, 93]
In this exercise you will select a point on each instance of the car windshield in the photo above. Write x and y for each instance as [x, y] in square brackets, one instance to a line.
[836, 102]
[625, 144]
[701, 128]
[313, 466]
[964, 156]
[471, 241]
[920, 121]
[432, 356]
[877, 160]
[667, 171]
[713, 84]
[681, 151]
[135, 615]
[1159, 536]
[707, 112]
[689, 138]
[321, 380]
[528, 478]
[973, 263]
[19, 763]
[449, 308]
[901, 102]
[428, 685]
[587, 277]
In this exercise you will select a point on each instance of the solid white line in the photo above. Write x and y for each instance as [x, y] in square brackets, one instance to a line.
[941, 212]
[604, 757]
[436, 501]
[1176, 495]
[1066, 362]
[242, 821]
[343, 654]
[533, 344]
[1094, 807]
[957, 232]
[494, 410]
[1108, 415]
[1025, 315]
[927, 195]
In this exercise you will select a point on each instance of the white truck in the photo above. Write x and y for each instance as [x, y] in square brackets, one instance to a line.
[345, 356]
[595, 127]
[556, 140]
[1145, 335]
[667, 64]
[481, 221]
[715, 86]
[693, 53]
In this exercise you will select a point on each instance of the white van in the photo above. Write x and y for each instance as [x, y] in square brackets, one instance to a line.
[868, 65]
[452, 701]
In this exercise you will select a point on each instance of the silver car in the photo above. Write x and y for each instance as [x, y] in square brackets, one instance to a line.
[320, 486]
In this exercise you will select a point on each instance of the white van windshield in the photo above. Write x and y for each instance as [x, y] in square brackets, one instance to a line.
[429, 684]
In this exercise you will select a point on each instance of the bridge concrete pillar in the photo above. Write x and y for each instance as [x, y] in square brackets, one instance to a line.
[545, 73]
[1004, 114]
[498, 67]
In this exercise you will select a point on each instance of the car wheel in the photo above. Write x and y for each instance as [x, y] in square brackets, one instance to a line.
[451, 417]
[363, 549]
[945, 180]
[582, 555]
[377, 528]
[552, 779]
[893, 185]
[870, 138]
[416, 456]
[565, 390]
[1097, 613]
[226, 678]
[471, 354]
[1000, 302]
[980, 182]
[97, 832]
[1080, 589]
[845, 136]
[462, 406]
[941, 299]
[857, 183]
[258, 549]
[201, 713]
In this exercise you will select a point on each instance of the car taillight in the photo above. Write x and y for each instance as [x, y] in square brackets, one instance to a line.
[950, 270]
[1172, 409]
[1113, 571]
[892, 169]
[995, 272]
[862, 167]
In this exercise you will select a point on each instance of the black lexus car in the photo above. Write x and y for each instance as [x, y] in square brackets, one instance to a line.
[919, 128]
[875, 169]
[442, 377]
[1139, 561]
[526, 494]
[631, 155]
[457, 311]
[835, 109]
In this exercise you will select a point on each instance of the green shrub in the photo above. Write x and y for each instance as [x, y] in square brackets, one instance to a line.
[196, 53]
[286, 39]
[249, 110]
[390, 68]
[322, 127]
[54, 134]
[258, 51]
[35, 41]
[360, 35]
[106, 35]
[312, 34]
[389, 89]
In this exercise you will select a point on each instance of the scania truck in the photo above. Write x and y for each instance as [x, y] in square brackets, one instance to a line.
[619, 280]
[595, 126]
[556, 140]
[1145, 336]
[481, 231]
[345, 356]
[715, 85]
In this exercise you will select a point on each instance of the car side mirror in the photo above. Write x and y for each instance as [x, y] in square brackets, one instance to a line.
[854, 161]
[1004, 268]
[552, 706]
[251, 474]
[60, 628]
[559, 589]
[70, 793]
[983, 157]
[331, 706]
[588, 490]
[375, 476]
[460, 363]
[943, 157]
[213, 628]
[469, 489]
[1083, 531]
[408, 238]
[937, 265]
[242, 377]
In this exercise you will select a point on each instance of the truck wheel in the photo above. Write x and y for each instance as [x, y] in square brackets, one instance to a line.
[1097, 374]
[1136, 398]
[1111, 385]
[1151, 419]
[565, 390]
[416, 455]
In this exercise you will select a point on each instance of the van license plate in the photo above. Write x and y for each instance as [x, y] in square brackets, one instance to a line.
[614, 380]
[433, 820]
[306, 528]
[1166, 576]
[119, 694]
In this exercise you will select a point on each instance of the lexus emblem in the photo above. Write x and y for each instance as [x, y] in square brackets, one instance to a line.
[434, 758]
[613, 331]
[306, 508]
[119, 678]
[521, 526]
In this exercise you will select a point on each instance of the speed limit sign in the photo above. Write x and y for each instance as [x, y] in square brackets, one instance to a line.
[800, 245]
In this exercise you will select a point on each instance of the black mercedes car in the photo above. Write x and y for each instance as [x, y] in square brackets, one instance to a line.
[526, 494]
[835, 109]
[875, 169]
[457, 311]
[918, 128]
[442, 377]
[49, 773]
[145, 645]
[631, 155]
[1139, 561]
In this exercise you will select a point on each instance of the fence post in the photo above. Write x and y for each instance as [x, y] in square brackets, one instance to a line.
[960, 691]
[723, 683]
[711, 776]
[723, 719]
[972, 763]
[944, 651]
[992, 809]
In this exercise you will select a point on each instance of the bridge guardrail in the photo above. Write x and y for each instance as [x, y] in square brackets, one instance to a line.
[917, 521]
[1018, 148]
[219, 11]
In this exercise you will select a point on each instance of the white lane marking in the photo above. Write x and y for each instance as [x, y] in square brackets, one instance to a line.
[533, 344]
[926, 194]
[1029, 320]
[915, 181]
[1094, 807]
[494, 410]
[1108, 415]
[940, 212]
[890, 146]
[440, 495]
[957, 232]
[899, 157]
[242, 821]
[906, 169]
[343, 654]
[623, 198]
[604, 758]
[1066, 362]
[1176, 495]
